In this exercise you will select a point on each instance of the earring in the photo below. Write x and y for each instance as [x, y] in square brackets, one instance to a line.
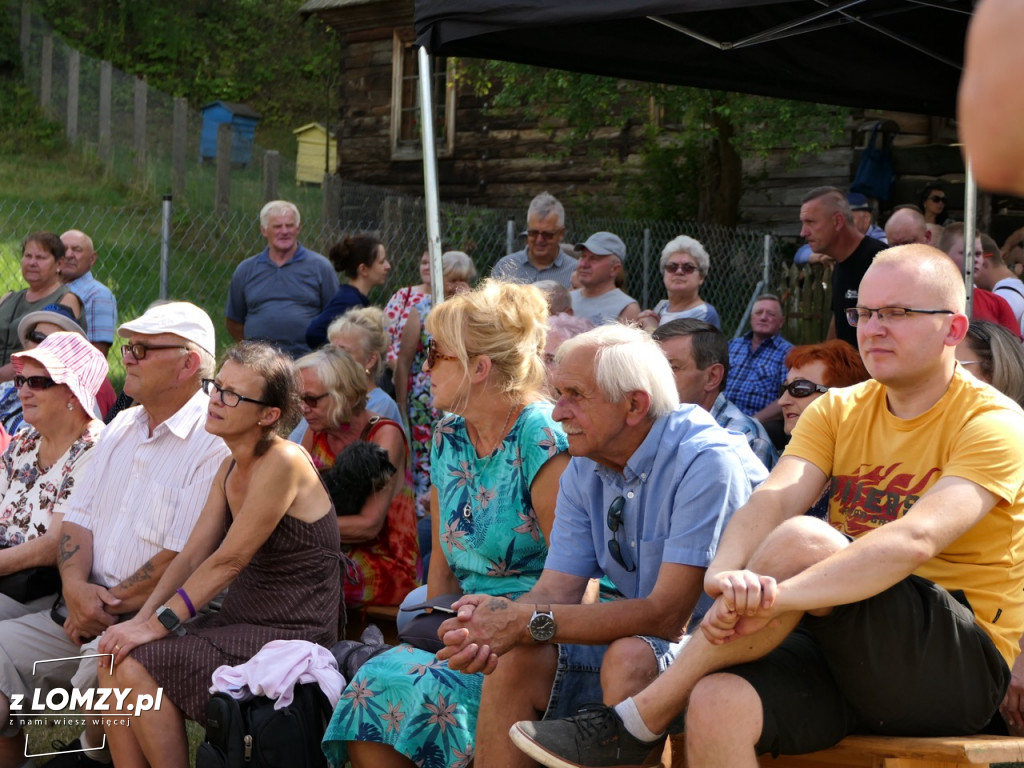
[70, 406]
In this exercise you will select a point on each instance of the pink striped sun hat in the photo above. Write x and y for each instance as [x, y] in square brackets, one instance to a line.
[70, 359]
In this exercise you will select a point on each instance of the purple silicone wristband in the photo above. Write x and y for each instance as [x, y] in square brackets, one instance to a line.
[188, 603]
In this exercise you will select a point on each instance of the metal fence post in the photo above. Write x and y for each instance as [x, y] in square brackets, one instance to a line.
[165, 245]
[510, 235]
[646, 293]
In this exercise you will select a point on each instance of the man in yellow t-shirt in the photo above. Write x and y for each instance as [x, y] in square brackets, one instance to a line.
[903, 616]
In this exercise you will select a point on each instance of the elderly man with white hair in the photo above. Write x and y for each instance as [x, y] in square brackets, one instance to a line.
[649, 489]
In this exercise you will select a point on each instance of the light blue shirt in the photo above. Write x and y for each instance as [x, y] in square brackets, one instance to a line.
[99, 307]
[681, 486]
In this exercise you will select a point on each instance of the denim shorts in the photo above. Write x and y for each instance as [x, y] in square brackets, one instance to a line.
[578, 674]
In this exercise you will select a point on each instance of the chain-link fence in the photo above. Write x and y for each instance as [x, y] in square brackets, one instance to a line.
[205, 245]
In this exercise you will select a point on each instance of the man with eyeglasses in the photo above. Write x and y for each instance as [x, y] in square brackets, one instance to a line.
[648, 489]
[127, 520]
[826, 222]
[898, 616]
[542, 258]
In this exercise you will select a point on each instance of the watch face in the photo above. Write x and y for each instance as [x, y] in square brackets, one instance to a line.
[542, 627]
[167, 618]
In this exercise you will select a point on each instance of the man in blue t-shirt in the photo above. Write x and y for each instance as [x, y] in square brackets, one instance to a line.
[274, 294]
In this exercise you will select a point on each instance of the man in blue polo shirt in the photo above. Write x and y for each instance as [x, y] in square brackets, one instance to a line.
[542, 258]
[649, 489]
[276, 293]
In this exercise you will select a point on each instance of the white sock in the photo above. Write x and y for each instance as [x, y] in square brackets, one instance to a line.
[635, 724]
[99, 755]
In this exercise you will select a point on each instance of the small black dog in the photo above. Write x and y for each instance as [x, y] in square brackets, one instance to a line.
[361, 468]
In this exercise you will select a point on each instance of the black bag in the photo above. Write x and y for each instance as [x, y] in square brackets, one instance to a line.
[421, 631]
[875, 172]
[252, 734]
[28, 584]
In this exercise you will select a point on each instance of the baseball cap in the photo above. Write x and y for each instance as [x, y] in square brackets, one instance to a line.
[181, 318]
[603, 243]
[858, 202]
[70, 359]
[57, 314]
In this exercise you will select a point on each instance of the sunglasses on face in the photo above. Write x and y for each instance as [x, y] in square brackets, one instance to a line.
[540, 234]
[35, 383]
[138, 350]
[685, 267]
[312, 400]
[433, 355]
[801, 388]
[36, 337]
[937, 198]
[619, 554]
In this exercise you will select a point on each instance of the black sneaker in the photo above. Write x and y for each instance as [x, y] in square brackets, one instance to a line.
[595, 738]
[73, 757]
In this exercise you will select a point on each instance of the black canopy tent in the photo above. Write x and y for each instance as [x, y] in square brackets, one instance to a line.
[903, 55]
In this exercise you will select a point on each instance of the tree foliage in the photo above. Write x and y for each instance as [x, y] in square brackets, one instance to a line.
[255, 51]
[694, 140]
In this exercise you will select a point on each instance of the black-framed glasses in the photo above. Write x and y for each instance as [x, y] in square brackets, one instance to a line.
[35, 383]
[857, 315]
[227, 397]
[138, 350]
[801, 388]
[937, 198]
[36, 337]
[312, 400]
[541, 234]
[619, 554]
[433, 355]
[680, 266]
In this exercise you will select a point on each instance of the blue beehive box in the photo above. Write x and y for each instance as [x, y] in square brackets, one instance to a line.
[243, 121]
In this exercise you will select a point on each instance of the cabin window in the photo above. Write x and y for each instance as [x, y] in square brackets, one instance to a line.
[405, 102]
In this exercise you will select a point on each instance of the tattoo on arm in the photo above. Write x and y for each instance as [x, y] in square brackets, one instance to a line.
[65, 553]
[143, 574]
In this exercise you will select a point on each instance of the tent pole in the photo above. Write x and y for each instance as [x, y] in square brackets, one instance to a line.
[430, 184]
[970, 233]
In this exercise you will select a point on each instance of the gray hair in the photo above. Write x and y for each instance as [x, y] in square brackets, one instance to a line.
[456, 265]
[834, 199]
[627, 359]
[557, 295]
[684, 244]
[543, 205]
[279, 208]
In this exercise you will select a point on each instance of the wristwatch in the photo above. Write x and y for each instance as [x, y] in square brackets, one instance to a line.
[542, 624]
[170, 620]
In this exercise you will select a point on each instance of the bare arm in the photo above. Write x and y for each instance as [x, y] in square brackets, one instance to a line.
[235, 328]
[407, 347]
[90, 606]
[72, 302]
[39, 551]
[630, 313]
[440, 579]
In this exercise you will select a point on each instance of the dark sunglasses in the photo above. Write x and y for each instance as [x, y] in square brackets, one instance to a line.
[36, 337]
[35, 383]
[535, 234]
[937, 198]
[312, 400]
[138, 350]
[619, 554]
[433, 355]
[801, 388]
[685, 267]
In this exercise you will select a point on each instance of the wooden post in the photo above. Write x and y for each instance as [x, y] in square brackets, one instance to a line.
[139, 126]
[74, 71]
[179, 143]
[271, 175]
[106, 91]
[46, 76]
[223, 190]
[26, 35]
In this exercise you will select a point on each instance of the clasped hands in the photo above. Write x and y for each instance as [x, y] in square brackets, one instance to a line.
[744, 603]
[483, 628]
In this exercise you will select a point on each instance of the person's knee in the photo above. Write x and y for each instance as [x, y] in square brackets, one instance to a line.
[524, 675]
[723, 706]
[629, 666]
[795, 545]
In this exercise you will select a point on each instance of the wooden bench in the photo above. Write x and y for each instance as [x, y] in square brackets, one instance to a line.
[906, 752]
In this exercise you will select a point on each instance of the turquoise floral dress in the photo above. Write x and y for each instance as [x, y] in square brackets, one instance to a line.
[490, 536]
